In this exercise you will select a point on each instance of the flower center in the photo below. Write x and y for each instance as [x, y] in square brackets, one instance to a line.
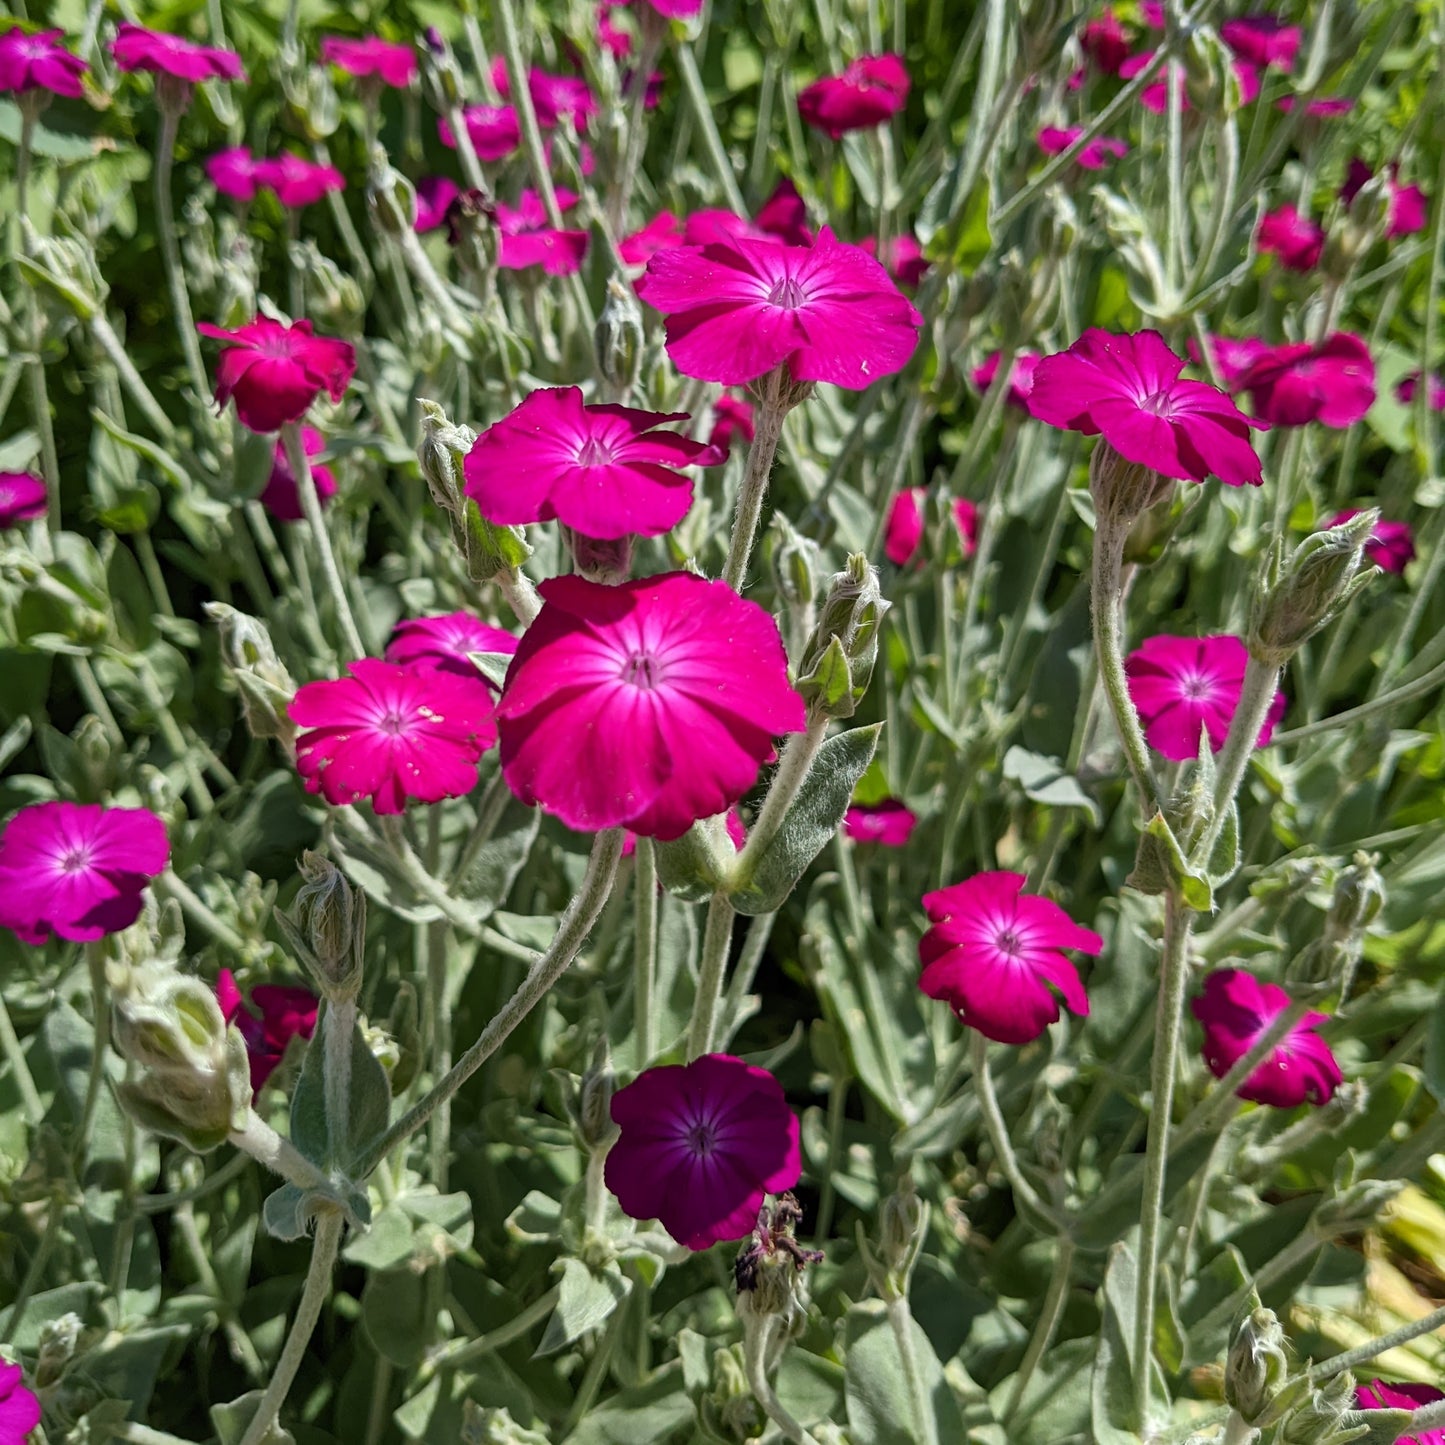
[594, 453]
[1009, 942]
[1197, 688]
[392, 723]
[787, 294]
[77, 860]
[701, 1138]
[1159, 402]
[642, 671]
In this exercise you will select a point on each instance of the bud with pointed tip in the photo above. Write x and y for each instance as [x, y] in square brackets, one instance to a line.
[618, 338]
[441, 76]
[1256, 1365]
[594, 1100]
[265, 686]
[58, 1339]
[390, 197]
[838, 660]
[902, 1229]
[1321, 1418]
[330, 916]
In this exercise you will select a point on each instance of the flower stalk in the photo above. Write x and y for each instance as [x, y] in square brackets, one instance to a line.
[773, 408]
[170, 248]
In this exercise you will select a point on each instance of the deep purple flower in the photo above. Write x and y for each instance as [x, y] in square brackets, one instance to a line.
[902, 258]
[276, 372]
[296, 181]
[528, 240]
[1408, 210]
[1020, 381]
[1105, 42]
[233, 172]
[274, 1015]
[1406, 390]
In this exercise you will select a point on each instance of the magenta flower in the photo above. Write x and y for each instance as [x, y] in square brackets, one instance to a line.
[234, 172]
[555, 98]
[732, 418]
[527, 239]
[902, 258]
[445, 641]
[1094, 157]
[393, 65]
[1128, 388]
[280, 495]
[274, 1016]
[965, 518]
[1105, 42]
[604, 471]
[1233, 355]
[701, 1144]
[870, 90]
[136, 48]
[296, 181]
[993, 952]
[1021, 378]
[1181, 685]
[736, 309]
[1326, 105]
[1294, 238]
[77, 870]
[19, 1408]
[390, 733]
[1262, 40]
[434, 196]
[904, 529]
[889, 823]
[1235, 1010]
[609, 37]
[36, 60]
[785, 215]
[664, 229]
[276, 372]
[22, 499]
[494, 130]
[647, 705]
[1408, 210]
[1332, 383]
[1380, 1396]
[1391, 546]
[1406, 390]
[1155, 96]
[676, 9]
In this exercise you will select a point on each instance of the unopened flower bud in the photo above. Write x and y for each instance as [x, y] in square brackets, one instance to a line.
[594, 1101]
[401, 1024]
[333, 297]
[1354, 1208]
[314, 103]
[1319, 1420]
[796, 562]
[390, 197]
[92, 745]
[330, 917]
[1299, 596]
[728, 1411]
[618, 338]
[440, 453]
[1256, 1366]
[838, 661]
[189, 1077]
[1210, 79]
[70, 273]
[441, 77]
[384, 1049]
[902, 1229]
[1333, 957]
[265, 686]
[58, 1339]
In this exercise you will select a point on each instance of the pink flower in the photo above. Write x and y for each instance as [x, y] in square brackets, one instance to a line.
[604, 471]
[390, 733]
[1326, 105]
[902, 258]
[1151, 12]
[136, 48]
[1094, 156]
[1294, 238]
[676, 9]
[1408, 210]
[280, 495]
[276, 372]
[22, 499]
[785, 215]
[1128, 388]
[434, 195]
[647, 705]
[554, 97]
[445, 641]
[527, 240]
[36, 60]
[234, 172]
[1262, 40]
[889, 823]
[664, 229]
[732, 418]
[1105, 42]
[701, 1144]
[904, 530]
[1233, 355]
[274, 1016]
[494, 130]
[394, 65]
[77, 869]
[1380, 1396]
[1406, 390]
[1155, 96]
[619, 42]
[19, 1408]
[297, 181]
[1391, 546]
[1332, 383]
[1181, 685]
[993, 951]
[1235, 1010]
[736, 309]
[965, 518]
[1021, 378]
[870, 90]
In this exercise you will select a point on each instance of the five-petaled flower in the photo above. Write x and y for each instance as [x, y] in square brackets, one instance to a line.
[1331, 382]
[276, 372]
[446, 641]
[701, 1144]
[136, 48]
[1128, 389]
[1181, 685]
[280, 496]
[1295, 239]
[494, 131]
[1094, 156]
[22, 498]
[605, 471]
[77, 870]
[995, 955]
[390, 733]
[647, 705]
[737, 308]
[1236, 1010]
[869, 91]
[274, 1015]
[36, 60]
[528, 239]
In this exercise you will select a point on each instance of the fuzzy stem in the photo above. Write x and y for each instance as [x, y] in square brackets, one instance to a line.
[1261, 681]
[1427, 1417]
[267, 1147]
[701, 111]
[636, 130]
[797, 760]
[756, 1337]
[716, 941]
[181, 314]
[19, 1068]
[644, 965]
[464, 1353]
[772, 409]
[998, 1137]
[201, 912]
[1361, 1354]
[520, 595]
[1047, 1326]
[337, 1026]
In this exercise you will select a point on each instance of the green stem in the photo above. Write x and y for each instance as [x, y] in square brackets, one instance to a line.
[701, 111]
[435, 937]
[19, 1068]
[202, 913]
[463, 1354]
[772, 410]
[35, 1272]
[644, 946]
[100, 1048]
[242, 1350]
[793, 768]
[998, 1136]
[716, 941]
[757, 1335]
[837, 1118]
[103, 334]
[266, 1146]
[1047, 1326]
[1256, 696]
[337, 1026]
[185, 322]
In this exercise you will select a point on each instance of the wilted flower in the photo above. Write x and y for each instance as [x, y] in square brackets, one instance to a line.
[995, 953]
[902, 258]
[1408, 210]
[1129, 389]
[701, 1145]
[394, 65]
[19, 1408]
[273, 1016]
[38, 61]
[434, 195]
[1379, 1396]
[870, 90]
[1332, 382]
[280, 496]
[890, 823]
[647, 705]
[528, 239]
[391, 733]
[1180, 685]
[737, 309]
[136, 48]
[1262, 40]
[22, 499]
[77, 870]
[275, 372]
[494, 131]
[605, 471]
[1054, 140]
[1391, 546]
[1294, 238]
[1236, 1009]
[445, 642]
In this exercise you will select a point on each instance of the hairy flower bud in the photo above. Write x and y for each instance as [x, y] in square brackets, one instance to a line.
[329, 917]
[1299, 596]
[1321, 1418]
[333, 297]
[265, 686]
[315, 105]
[390, 197]
[58, 1339]
[440, 453]
[441, 77]
[618, 338]
[1256, 1365]
[838, 660]
[902, 1229]
[1333, 958]
[1122, 489]
[594, 1100]
[489, 1425]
